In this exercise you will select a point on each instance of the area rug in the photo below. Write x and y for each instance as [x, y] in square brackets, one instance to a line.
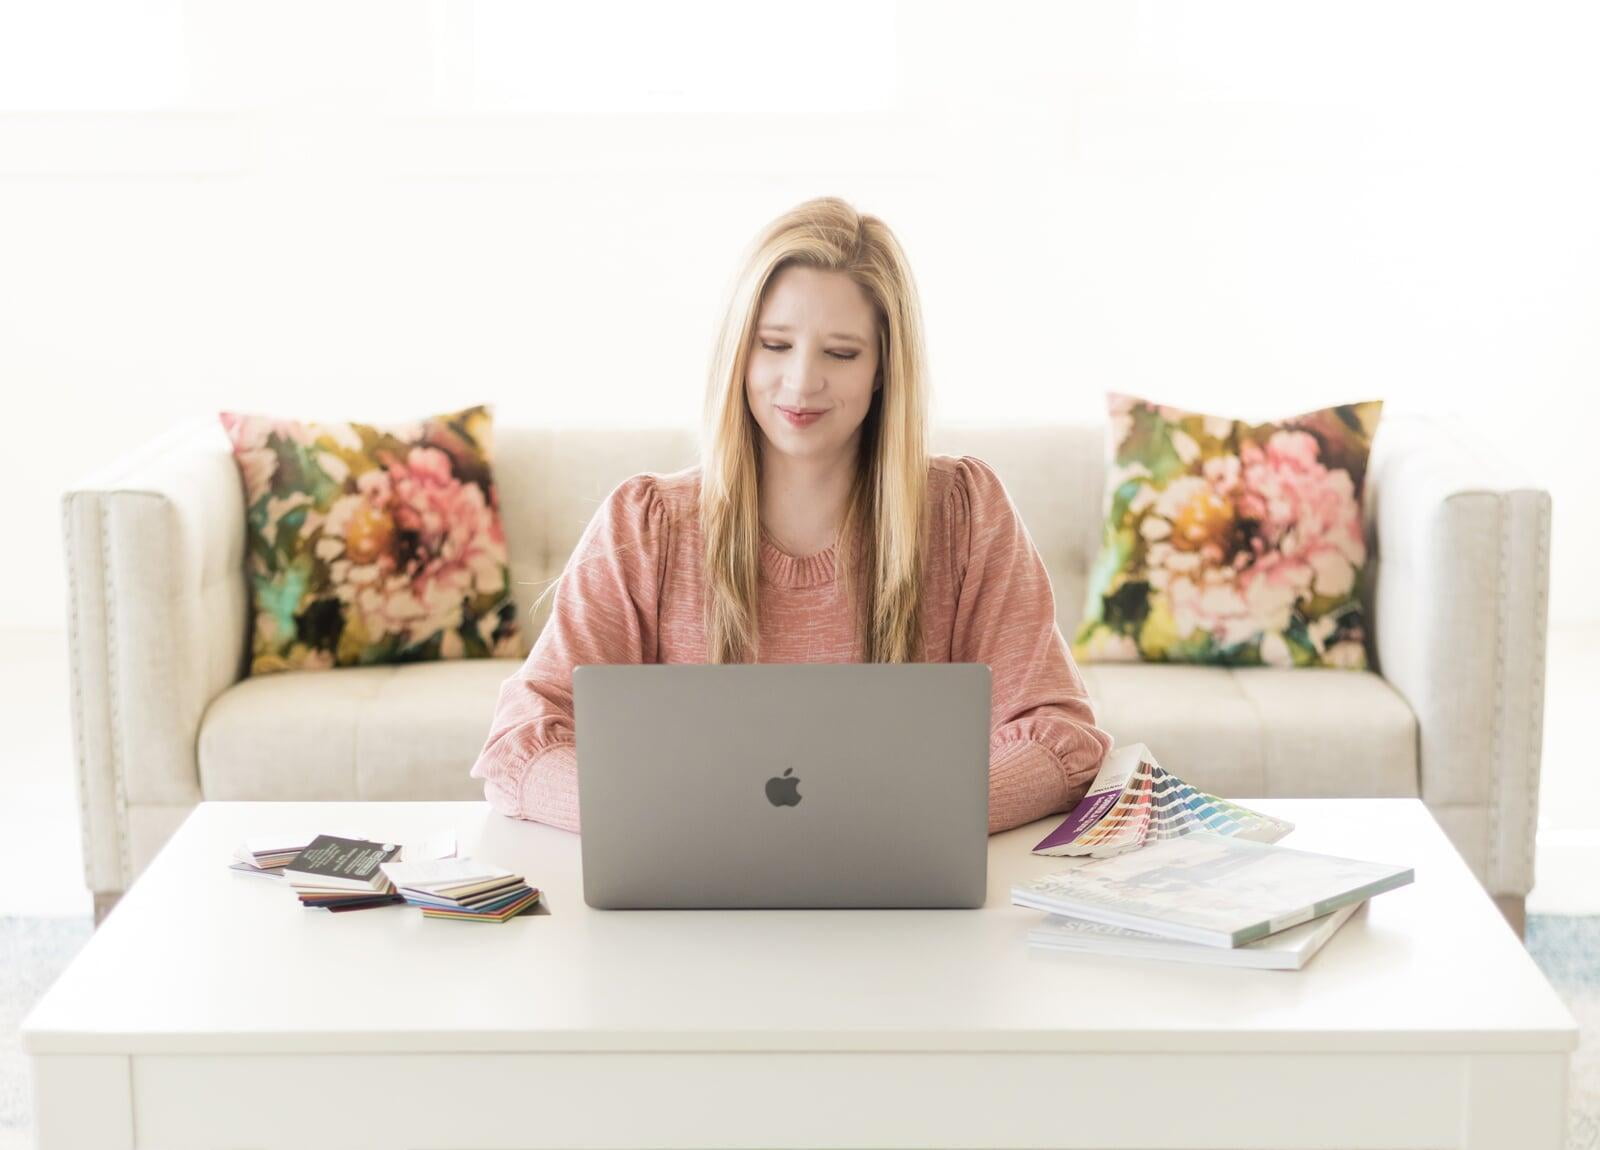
[33, 951]
[1567, 949]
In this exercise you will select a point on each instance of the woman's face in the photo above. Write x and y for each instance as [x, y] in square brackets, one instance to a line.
[815, 350]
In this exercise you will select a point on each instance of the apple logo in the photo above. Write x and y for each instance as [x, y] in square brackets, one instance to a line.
[782, 791]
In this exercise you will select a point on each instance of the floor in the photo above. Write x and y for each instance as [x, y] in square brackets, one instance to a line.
[39, 815]
[38, 794]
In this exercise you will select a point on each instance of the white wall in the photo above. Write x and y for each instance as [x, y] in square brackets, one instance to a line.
[365, 209]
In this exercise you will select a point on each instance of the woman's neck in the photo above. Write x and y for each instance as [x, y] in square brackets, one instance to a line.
[803, 500]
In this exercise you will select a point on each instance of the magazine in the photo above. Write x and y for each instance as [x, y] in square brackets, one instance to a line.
[1217, 890]
[1286, 950]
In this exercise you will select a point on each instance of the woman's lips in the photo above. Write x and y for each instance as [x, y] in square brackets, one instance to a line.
[799, 420]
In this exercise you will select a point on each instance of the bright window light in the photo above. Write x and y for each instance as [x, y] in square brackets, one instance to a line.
[626, 56]
[91, 55]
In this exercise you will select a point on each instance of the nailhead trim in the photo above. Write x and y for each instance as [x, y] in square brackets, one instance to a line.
[74, 666]
[1535, 751]
[1502, 610]
[114, 749]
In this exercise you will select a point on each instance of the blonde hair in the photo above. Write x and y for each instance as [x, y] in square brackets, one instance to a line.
[886, 500]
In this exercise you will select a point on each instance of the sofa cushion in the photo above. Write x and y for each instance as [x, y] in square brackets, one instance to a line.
[408, 731]
[372, 544]
[1226, 542]
[413, 731]
[552, 480]
[1241, 732]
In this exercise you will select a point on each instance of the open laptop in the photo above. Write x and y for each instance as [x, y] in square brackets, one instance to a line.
[764, 785]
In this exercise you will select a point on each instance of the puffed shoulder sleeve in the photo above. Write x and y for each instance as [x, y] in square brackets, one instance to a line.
[1044, 745]
[605, 609]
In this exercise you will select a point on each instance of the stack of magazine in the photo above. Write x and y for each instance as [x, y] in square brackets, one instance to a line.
[1160, 870]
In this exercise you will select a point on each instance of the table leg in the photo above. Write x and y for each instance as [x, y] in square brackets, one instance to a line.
[1515, 1100]
[82, 1100]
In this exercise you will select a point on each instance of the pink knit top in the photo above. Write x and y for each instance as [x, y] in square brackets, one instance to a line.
[632, 593]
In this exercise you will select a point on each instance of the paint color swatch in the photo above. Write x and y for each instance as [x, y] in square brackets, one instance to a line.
[1133, 801]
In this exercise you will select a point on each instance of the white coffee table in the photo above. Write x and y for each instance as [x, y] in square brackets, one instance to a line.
[211, 1010]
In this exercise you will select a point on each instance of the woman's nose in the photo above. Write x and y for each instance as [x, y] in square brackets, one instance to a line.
[806, 372]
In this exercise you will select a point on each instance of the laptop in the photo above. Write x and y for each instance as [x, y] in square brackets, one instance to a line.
[783, 785]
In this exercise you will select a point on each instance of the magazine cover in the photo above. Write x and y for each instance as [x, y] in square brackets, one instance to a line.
[1215, 889]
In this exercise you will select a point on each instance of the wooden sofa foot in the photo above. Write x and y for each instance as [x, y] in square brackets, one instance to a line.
[104, 900]
[1514, 907]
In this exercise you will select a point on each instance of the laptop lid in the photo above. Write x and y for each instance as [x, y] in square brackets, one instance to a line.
[757, 785]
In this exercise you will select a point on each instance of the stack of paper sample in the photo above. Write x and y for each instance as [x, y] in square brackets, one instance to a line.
[462, 888]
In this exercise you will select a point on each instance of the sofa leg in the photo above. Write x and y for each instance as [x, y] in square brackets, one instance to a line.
[1514, 907]
[104, 900]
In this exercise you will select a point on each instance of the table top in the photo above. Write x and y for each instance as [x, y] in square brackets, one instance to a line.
[198, 958]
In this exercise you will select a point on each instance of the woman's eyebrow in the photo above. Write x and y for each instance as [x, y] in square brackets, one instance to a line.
[831, 335]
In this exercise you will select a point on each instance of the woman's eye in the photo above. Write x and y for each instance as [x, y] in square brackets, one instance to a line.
[785, 347]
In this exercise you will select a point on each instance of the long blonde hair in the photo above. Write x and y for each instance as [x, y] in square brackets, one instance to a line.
[886, 501]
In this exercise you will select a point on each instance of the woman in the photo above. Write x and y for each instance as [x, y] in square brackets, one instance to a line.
[817, 528]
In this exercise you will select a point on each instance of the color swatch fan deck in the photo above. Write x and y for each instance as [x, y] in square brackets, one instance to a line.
[1133, 801]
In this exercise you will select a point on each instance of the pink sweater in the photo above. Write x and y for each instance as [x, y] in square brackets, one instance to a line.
[632, 593]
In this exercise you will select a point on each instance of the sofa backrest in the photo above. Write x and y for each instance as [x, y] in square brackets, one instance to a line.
[552, 481]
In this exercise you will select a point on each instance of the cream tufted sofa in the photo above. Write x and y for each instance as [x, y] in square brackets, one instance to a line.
[163, 717]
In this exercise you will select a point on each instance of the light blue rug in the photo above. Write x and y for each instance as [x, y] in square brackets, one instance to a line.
[32, 952]
[1567, 948]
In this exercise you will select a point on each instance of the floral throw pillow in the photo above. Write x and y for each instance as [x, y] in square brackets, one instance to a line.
[373, 544]
[1231, 543]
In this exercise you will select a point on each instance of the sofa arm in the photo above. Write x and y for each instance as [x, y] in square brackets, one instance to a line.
[157, 627]
[1459, 608]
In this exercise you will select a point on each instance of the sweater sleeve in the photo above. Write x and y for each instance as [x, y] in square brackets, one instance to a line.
[604, 610]
[1044, 745]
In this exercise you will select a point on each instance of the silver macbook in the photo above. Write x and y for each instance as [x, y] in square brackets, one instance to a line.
[763, 785]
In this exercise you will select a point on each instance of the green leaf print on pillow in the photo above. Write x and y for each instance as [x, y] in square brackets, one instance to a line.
[373, 544]
[1231, 543]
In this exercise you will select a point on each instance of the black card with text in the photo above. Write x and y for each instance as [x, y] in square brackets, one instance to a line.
[332, 861]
